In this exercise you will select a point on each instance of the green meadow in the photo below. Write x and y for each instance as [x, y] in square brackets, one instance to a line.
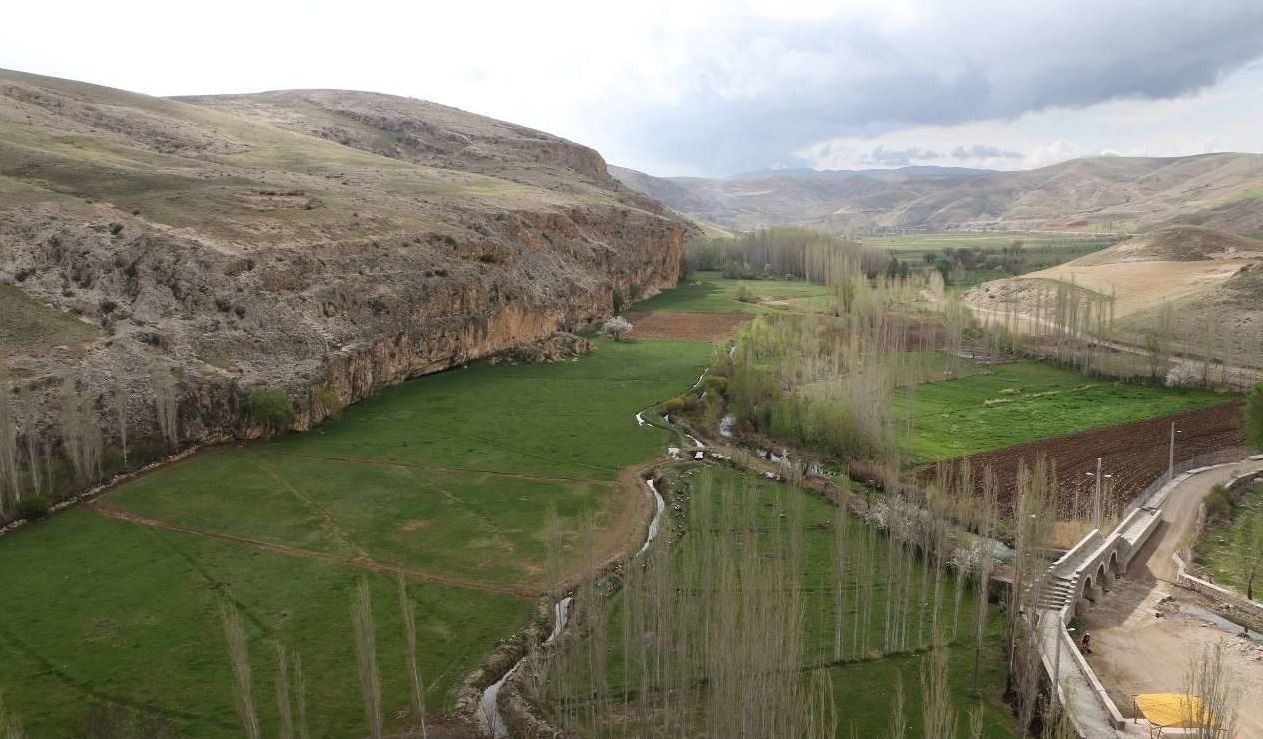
[446, 478]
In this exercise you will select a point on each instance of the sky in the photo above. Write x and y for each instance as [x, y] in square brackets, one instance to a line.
[716, 87]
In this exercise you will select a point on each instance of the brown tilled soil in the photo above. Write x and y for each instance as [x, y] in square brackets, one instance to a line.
[1134, 453]
[685, 326]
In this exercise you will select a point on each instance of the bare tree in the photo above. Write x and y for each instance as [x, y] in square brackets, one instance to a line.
[120, 410]
[366, 652]
[238, 653]
[29, 415]
[166, 406]
[938, 714]
[9, 483]
[285, 715]
[1214, 693]
[80, 431]
[617, 327]
[408, 612]
[300, 695]
[10, 726]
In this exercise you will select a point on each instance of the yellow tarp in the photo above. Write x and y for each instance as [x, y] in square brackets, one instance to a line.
[1174, 710]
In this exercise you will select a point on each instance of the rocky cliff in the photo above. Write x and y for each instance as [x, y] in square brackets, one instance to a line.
[321, 243]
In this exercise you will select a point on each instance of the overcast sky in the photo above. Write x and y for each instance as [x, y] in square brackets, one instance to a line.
[713, 87]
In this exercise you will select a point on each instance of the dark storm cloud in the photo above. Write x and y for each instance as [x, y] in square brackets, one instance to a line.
[979, 151]
[755, 90]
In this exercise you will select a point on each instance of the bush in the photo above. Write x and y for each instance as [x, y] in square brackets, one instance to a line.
[681, 404]
[116, 229]
[1254, 416]
[1218, 504]
[328, 400]
[617, 327]
[715, 385]
[108, 306]
[616, 299]
[270, 409]
[33, 507]
[744, 295]
[734, 270]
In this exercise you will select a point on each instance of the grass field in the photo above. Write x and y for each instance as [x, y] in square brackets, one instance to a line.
[709, 292]
[129, 615]
[448, 477]
[1213, 549]
[1025, 401]
[1039, 250]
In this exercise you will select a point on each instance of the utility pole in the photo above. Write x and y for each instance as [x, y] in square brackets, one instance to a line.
[1171, 455]
[1096, 502]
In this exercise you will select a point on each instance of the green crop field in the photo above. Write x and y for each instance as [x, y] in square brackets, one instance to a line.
[709, 292]
[447, 477]
[1025, 401]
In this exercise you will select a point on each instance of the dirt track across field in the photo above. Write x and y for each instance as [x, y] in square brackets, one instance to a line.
[685, 326]
[1135, 454]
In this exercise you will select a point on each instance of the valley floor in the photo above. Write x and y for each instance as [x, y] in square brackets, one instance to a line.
[450, 481]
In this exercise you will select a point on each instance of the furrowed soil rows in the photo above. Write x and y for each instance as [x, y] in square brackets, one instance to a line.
[1135, 454]
[685, 326]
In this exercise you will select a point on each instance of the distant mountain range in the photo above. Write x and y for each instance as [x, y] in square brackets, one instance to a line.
[1223, 191]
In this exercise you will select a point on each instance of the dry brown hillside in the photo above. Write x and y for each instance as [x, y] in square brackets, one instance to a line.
[322, 243]
[1181, 289]
[1221, 191]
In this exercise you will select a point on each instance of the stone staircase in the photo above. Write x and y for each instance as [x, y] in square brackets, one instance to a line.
[1058, 592]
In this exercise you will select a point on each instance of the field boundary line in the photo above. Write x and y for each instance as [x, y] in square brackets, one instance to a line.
[437, 467]
[292, 551]
[314, 506]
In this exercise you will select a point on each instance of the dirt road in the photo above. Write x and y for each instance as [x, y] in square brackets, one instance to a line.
[1136, 650]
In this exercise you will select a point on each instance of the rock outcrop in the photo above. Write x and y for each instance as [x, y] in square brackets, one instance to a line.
[321, 243]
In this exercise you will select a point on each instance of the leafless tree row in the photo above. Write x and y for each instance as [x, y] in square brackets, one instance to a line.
[88, 438]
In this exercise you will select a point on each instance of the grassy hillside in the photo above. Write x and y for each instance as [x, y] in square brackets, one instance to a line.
[28, 326]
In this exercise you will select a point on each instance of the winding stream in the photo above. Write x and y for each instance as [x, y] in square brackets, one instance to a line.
[657, 517]
[488, 705]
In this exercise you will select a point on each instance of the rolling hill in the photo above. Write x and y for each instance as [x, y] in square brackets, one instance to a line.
[1222, 191]
[1186, 290]
[319, 242]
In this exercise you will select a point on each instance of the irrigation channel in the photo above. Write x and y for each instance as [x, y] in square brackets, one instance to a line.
[489, 717]
[492, 722]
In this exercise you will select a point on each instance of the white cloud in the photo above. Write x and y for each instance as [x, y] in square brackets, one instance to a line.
[1222, 118]
[710, 86]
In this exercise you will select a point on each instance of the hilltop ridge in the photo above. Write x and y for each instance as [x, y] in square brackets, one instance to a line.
[1221, 191]
[319, 242]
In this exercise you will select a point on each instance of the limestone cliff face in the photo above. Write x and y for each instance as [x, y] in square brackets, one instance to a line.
[322, 263]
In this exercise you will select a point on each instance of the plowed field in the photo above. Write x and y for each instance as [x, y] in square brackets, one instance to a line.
[1133, 454]
[684, 326]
